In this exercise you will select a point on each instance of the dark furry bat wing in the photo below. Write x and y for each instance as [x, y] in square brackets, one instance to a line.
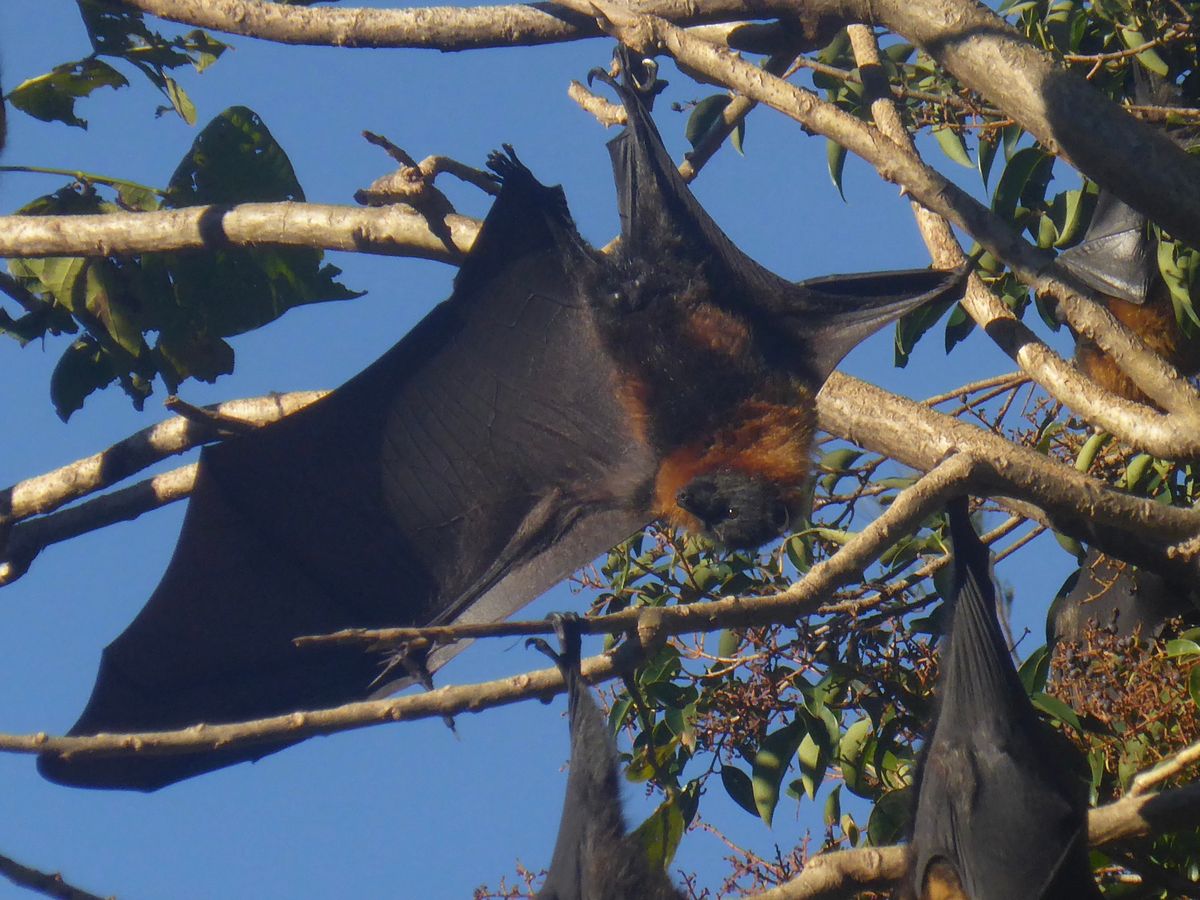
[824, 318]
[594, 858]
[994, 800]
[1114, 255]
[476, 464]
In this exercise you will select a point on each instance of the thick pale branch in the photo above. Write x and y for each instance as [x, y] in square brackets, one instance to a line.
[1132, 422]
[45, 493]
[388, 230]
[27, 539]
[828, 876]
[1139, 164]
[1125, 526]
[444, 28]
[1067, 115]
[22, 541]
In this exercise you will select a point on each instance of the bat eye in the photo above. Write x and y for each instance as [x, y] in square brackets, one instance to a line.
[731, 513]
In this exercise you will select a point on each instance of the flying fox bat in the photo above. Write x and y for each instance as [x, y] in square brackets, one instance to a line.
[1118, 259]
[557, 402]
[594, 858]
[998, 815]
[1113, 594]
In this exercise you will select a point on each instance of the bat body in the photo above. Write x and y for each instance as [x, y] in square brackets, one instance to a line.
[998, 815]
[1117, 258]
[594, 858]
[557, 402]
[1110, 592]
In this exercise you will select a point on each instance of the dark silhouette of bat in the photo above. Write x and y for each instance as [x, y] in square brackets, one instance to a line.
[999, 815]
[1118, 259]
[557, 402]
[1115, 258]
[594, 858]
[1111, 594]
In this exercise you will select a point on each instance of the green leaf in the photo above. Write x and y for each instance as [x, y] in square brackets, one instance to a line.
[1056, 709]
[953, 146]
[1194, 685]
[82, 369]
[660, 834]
[814, 761]
[739, 787]
[180, 101]
[833, 806]
[705, 116]
[890, 817]
[1070, 544]
[1136, 469]
[985, 155]
[959, 325]
[835, 159]
[1025, 168]
[851, 756]
[1035, 670]
[770, 764]
[728, 642]
[51, 97]
[1183, 649]
[1090, 449]
[1078, 207]
[1149, 58]
[836, 464]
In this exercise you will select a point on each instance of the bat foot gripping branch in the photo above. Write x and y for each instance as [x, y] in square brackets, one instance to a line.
[569, 629]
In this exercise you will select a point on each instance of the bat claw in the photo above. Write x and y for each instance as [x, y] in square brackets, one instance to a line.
[569, 628]
[507, 165]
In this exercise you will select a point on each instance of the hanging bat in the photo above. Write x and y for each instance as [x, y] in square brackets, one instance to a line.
[1114, 258]
[998, 813]
[1113, 594]
[561, 399]
[594, 858]
[1118, 259]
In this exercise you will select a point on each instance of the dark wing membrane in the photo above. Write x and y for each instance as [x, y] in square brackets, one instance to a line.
[477, 463]
[824, 317]
[834, 314]
[1114, 255]
[994, 799]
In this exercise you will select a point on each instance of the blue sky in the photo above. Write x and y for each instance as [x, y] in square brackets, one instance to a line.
[408, 810]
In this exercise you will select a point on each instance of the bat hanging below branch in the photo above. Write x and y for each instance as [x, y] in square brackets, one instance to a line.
[999, 812]
[594, 858]
[561, 399]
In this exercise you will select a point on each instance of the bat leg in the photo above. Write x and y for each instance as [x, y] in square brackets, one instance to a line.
[413, 661]
[568, 627]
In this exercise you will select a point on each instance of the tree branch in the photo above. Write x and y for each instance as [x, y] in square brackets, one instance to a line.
[388, 230]
[1073, 503]
[48, 884]
[1138, 163]
[45, 493]
[448, 28]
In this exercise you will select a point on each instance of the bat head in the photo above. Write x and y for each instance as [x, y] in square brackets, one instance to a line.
[735, 508]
